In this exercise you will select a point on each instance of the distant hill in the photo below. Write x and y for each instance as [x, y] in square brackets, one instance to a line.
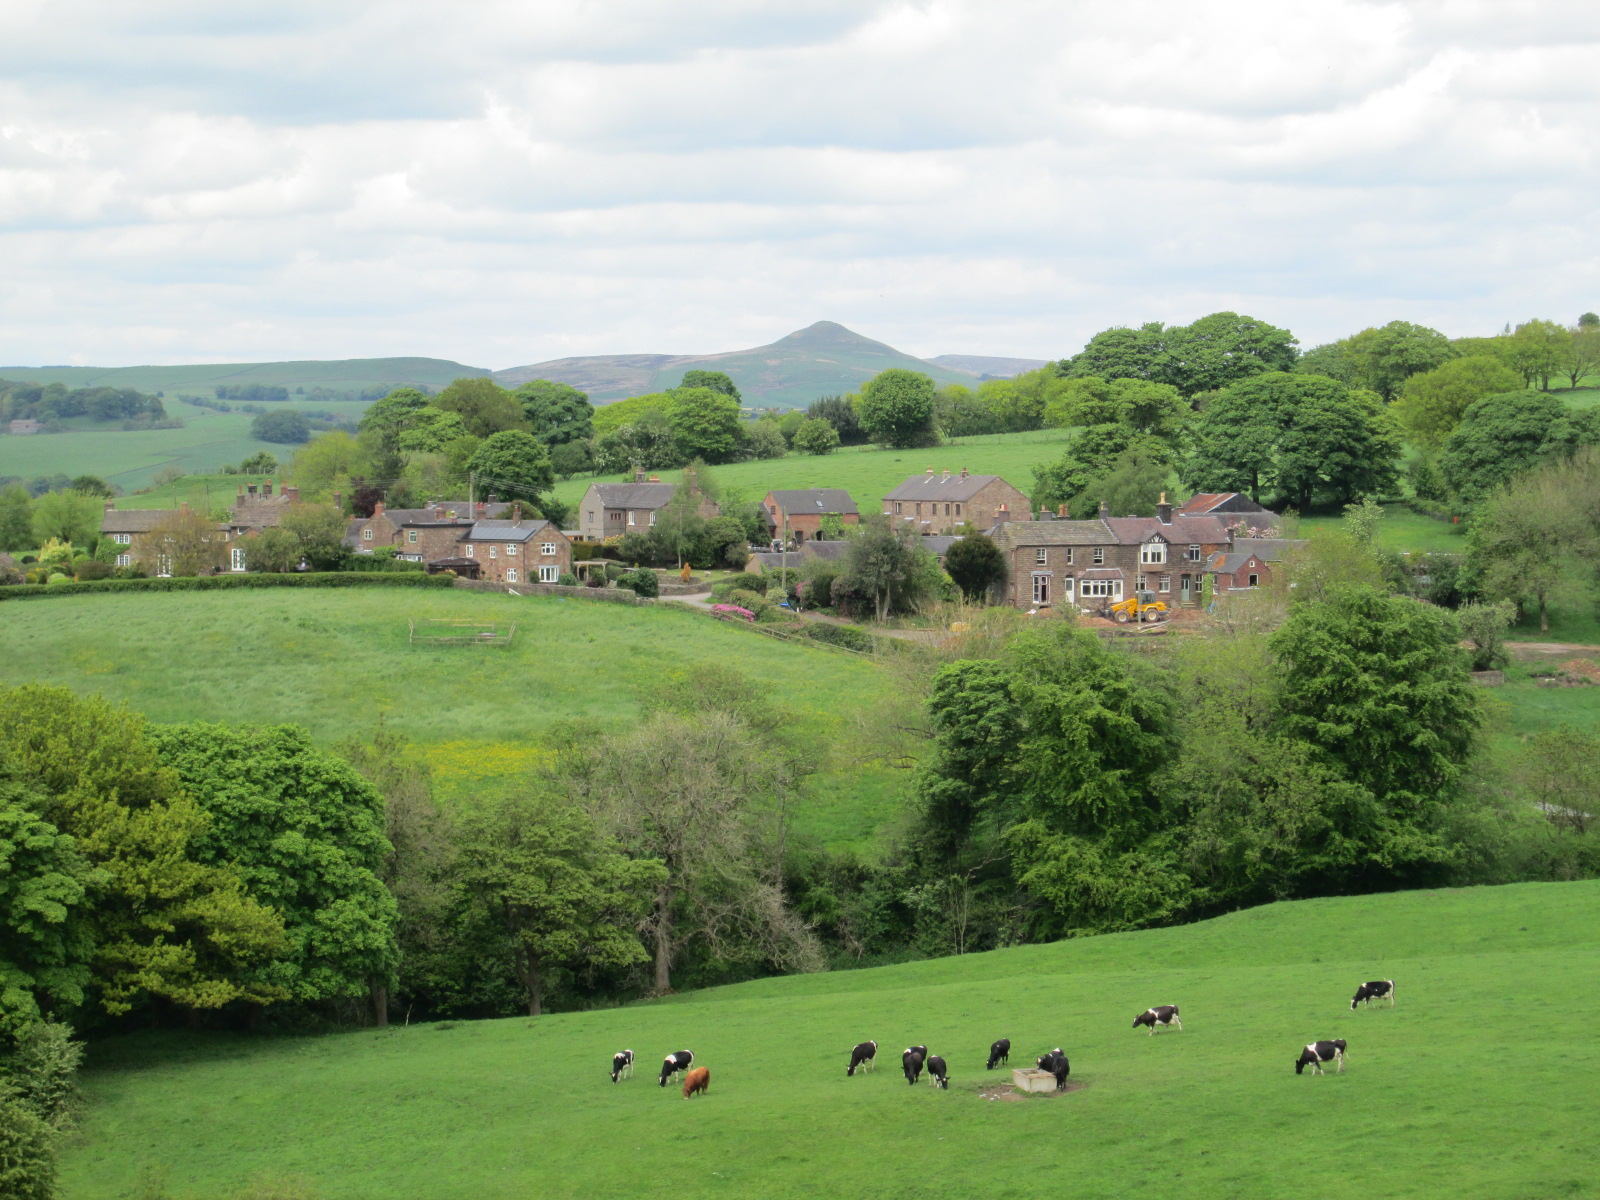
[988, 367]
[820, 360]
[340, 374]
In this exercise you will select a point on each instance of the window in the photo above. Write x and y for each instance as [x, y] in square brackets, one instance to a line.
[1069, 556]
[1095, 587]
[591, 516]
[947, 510]
[547, 549]
[613, 516]
[366, 534]
[122, 539]
[1099, 556]
[919, 511]
[494, 551]
[958, 510]
[1153, 552]
[652, 519]
[1041, 589]
[549, 574]
[1255, 580]
[1193, 554]
[511, 551]
[511, 575]
[630, 516]
[411, 536]
[1041, 556]
[236, 559]
[897, 507]
[1166, 584]
[124, 560]
[472, 551]
[163, 565]
[1138, 582]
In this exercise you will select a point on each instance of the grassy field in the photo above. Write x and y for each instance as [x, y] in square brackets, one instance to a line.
[338, 662]
[346, 374]
[1404, 530]
[1479, 1086]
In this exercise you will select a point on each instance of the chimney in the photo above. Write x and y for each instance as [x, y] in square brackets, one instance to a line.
[946, 474]
[291, 494]
[184, 506]
[1164, 510]
[1002, 514]
[1105, 510]
[252, 489]
[638, 475]
[1046, 515]
[266, 488]
[109, 504]
[481, 508]
[338, 501]
[1061, 511]
[516, 513]
[377, 509]
[963, 472]
[241, 491]
[930, 472]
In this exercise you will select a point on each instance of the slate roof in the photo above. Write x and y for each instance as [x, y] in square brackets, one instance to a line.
[1221, 502]
[1131, 531]
[831, 551]
[506, 531]
[815, 500]
[941, 487]
[1267, 549]
[1052, 533]
[634, 495]
[1105, 573]
[132, 520]
[352, 532]
[938, 544]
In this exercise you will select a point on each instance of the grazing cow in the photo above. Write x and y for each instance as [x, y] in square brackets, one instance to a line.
[863, 1056]
[1378, 989]
[679, 1060]
[1057, 1064]
[697, 1080]
[911, 1061]
[938, 1075]
[1317, 1053]
[622, 1066]
[1000, 1052]
[1161, 1014]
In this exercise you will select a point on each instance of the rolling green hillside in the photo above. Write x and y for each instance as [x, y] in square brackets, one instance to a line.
[339, 374]
[340, 661]
[820, 360]
[1481, 1083]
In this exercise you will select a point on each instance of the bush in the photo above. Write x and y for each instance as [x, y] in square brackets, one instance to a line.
[568, 580]
[584, 551]
[44, 1069]
[210, 583]
[90, 569]
[749, 582]
[848, 636]
[643, 582]
[27, 1150]
[754, 601]
[817, 592]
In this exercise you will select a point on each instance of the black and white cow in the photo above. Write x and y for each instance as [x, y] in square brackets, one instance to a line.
[938, 1075]
[1161, 1014]
[1378, 989]
[1317, 1053]
[678, 1060]
[911, 1060]
[863, 1056]
[999, 1053]
[622, 1066]
[1057, 1064]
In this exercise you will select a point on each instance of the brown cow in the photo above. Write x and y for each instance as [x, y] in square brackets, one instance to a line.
[697, 1080]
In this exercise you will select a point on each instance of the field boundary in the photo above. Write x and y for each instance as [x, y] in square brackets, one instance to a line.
[218, 583]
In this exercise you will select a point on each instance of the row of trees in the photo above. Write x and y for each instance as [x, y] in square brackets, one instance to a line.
[56, 402]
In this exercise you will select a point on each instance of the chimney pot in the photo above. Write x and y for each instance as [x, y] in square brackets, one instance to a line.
[184, 506]
[657, 478]
[291, 494]
[930, 470]
[516, 514]
[1105, 510]
[266, 488]
[252, 489]
[638, 476]
[377, 509]
[1164, 510]
[1061, 511]
[481, 508]
[109, 504]
[963, 472]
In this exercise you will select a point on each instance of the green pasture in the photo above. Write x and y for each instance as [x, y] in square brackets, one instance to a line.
[346, 374]
[339, 662]
[1402, 529]
[204, 492]
[1481, 1083]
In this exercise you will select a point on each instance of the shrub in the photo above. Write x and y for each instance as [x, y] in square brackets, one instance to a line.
[817, 592]
[749, 582]
[206, 583]
[584, 551]
[754, 601]
[643, 582]
[44, 1069]
[27, 1150]
[568, 580]
[91, 568]
[848, 636]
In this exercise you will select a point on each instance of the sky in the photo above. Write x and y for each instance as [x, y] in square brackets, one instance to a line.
[501, 182]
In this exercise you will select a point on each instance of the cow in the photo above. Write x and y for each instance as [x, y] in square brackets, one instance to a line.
[1378, 989]
[864, 1056]
[622, 1066]
[1161, 1014]
[911, 1060]
[679, 1060]
[938, 1075]
[1000, 1052]
[1057, 1064]
[697, 1080]
[1317, 1053]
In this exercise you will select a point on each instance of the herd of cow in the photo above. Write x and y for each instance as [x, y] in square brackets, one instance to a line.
[916, 1059]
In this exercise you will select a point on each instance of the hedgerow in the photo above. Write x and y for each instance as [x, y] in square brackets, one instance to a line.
[215, 583]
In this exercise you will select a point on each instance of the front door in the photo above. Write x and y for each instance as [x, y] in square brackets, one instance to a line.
[1183, 588]
[1041, 589]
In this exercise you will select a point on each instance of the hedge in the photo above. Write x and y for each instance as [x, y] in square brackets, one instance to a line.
[848, 636]
[212, 583]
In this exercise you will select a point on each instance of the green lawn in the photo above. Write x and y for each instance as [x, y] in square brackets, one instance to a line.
[1482, 1084]
[205, 491]
[338, 662]
[1403, 530]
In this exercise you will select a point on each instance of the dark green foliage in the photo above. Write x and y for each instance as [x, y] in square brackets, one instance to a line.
[557, 413]
[1500, 436]
[513, 466]
[976, 564]
[706, 425]
[816, 436]
[746, 581]
[287, 427]
[16, 518]
[42, 1068]
[1222, 349]
[1122, 353]
[716, 381]
[880, 573]
[841, 414]
[897, 409]
[643, 582]
[849, 637]
[27, 1150]
[484, 406]
[572, 458]
[210, 583]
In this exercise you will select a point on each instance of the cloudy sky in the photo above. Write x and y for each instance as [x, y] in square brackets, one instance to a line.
[502, 182]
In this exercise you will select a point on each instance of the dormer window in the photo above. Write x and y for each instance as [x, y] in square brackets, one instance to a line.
[1153, 552]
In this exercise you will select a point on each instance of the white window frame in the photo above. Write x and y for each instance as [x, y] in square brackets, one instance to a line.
[1041, 556]
[1164, 584]
[1153, 553]
[1138, 582]
[630, 517]
[163, 566]
[366, 534]
[411, 536]
[122, 539]
[511, 575]
[124, 560]
[547, 549]
[1193, 554]
[652, 519]
[1253, 581]
[549, 574]
[1041, 587]
[1100, 588]
[472, 551]
[897, 509]
[1099, 556]
[236, 559]
[511, 550]
[494, 550]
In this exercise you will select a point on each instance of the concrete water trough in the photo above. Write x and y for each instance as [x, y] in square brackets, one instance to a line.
[1031, 1079]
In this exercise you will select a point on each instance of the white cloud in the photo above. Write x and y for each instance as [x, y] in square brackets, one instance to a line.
[504, 182]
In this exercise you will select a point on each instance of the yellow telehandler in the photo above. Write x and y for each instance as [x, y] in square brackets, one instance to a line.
[1141, 606]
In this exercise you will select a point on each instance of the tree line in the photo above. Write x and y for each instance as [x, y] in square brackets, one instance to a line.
[54, 402]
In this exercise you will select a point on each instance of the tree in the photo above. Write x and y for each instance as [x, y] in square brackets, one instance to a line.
[765, 440]
[93, 485]
[1561, 770]
[184, 542]
[67, 516]
[1582, 357]
[1297, 437]
[642, 445]
[428, 431]
[288, 427]
[609, 418]
[16, 518]
[1122, 353]
[563, 895]
[1222, 349]
[394, 412]
[512, 465]
[687, 792]
[1537, 349]
[896, 409]
[840, 412]
[679, 524]
[1527, 540]
[1388, 356]
[1500, 436]
[262, 462]
[706, 424]
[572, 458]
[273, 551]
[557, 413]
[717, 381]
[816, 436]
[486, 408]
[1130, 486]
[976, 564]
[1431, 403]
[318, 531]
[1589, 320]
[165, 924]
[305, 832]
[319, 466]
[878, 565]
[27, 1150]
[1485, 625]
[1361, 520]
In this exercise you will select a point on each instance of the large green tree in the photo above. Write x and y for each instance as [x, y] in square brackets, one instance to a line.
[1386, 356]
[717, 381]
[1539, 349]
[1222, 349]
[1122, 353]
[318, 532]
[976, 564]
[897, 408]
[306, 834]
[513, 466]
[1528, 539]
[557, 413]
[70, 516]
[486, 408]
[16, 518]
[1431, 403]
[1500, 436]
[706, 424]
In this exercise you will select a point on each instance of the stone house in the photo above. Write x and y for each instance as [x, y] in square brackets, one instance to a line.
[941, 503]
[517, 550]
[130, 528]
[1248, 563]
[1235, 509]
[257, 507]
[417, 534]
[24, 427]
[798, 514]
[613, 509]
